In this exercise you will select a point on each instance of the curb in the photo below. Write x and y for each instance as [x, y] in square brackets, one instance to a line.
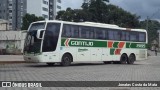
[11, 62]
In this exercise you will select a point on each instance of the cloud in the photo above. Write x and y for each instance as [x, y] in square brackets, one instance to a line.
[74, 4]
[143, 8]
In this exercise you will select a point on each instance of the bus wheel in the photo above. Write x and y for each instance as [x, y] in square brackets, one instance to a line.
[66, 60]
[107, 62]
[50, 64]
[123, 59]
[131, 59]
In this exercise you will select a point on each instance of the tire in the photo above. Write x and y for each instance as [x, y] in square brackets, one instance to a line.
[131, 59]
[50, 64]
[123, 59]
[107, 62]
[66, 60]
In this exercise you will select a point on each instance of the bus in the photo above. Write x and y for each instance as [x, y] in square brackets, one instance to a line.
[65, 42]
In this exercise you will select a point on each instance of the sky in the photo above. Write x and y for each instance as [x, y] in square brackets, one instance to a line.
[142, 8]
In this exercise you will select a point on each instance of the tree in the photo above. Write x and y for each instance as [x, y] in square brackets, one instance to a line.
[153, 26]
[28, 19]
[100, 11]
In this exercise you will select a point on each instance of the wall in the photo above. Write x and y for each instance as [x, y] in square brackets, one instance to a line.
[12, 42]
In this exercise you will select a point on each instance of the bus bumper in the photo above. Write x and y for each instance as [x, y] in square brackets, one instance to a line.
[34, 59]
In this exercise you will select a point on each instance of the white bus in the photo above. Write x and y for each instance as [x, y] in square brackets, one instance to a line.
[66, 42]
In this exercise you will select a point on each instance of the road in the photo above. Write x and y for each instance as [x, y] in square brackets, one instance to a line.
[146, 70]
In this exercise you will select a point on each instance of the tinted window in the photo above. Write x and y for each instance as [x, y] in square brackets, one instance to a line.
[114, 35]
[85, 32]
[66, 31]
[100, 33]
[117, 35]
[133, 36]
[37, 26]
[51, 37]
[127, 36]
[123, 36]
[74, 31]
[70, 31]
[142, 37]
[111, 35]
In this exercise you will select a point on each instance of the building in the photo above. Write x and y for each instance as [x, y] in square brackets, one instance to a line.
[4, 24]
[13, 11]
[45, 8]
[56, 7]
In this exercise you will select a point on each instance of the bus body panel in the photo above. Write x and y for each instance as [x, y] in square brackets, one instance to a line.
[85, 54]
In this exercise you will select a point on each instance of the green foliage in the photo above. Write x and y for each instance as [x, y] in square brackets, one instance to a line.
[100, 11]
[28, 19]
[153, 26]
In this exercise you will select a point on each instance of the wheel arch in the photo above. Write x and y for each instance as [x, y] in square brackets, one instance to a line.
[68, 54]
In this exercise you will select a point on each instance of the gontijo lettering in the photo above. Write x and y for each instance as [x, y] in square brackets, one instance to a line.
[81, 43]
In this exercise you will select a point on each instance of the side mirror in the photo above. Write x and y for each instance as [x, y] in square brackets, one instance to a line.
[40, 33]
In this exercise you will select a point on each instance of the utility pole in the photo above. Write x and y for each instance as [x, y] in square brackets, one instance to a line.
[147, 23]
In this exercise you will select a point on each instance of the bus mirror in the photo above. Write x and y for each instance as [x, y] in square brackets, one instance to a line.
[40, 33]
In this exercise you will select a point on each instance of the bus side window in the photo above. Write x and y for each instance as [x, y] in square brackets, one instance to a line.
[111, 35]
[106, 34]
[92, 33]
[142, 37]
[116, 35]
[84, 32]
[99, 33]
[66, 31]
[127, 36]
[123, 36]
[133, 36]
[74, 31]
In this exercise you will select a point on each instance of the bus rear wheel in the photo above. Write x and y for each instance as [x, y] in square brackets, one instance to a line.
[50, 64]
[131, 59]
[123, 59]
[66, 60]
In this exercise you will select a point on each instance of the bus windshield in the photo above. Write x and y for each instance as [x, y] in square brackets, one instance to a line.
[32, 43]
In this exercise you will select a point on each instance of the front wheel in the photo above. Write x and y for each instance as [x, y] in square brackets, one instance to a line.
[66, 60]
[131, 59]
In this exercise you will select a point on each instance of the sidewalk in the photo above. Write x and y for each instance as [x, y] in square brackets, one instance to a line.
[11, 59]
[152, 53]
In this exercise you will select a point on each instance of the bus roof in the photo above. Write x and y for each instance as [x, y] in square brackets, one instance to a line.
[102, 25]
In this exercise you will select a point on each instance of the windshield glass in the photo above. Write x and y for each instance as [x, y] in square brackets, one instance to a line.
[32, 43]
[51, 37]
[37, 26]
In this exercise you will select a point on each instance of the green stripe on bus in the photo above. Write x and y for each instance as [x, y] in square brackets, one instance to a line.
[112, 51]
[97, 43]
[136, 45]
[83, 43]
[115, 45]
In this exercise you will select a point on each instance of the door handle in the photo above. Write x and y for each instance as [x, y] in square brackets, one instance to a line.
[93, 54]
[82, 54]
